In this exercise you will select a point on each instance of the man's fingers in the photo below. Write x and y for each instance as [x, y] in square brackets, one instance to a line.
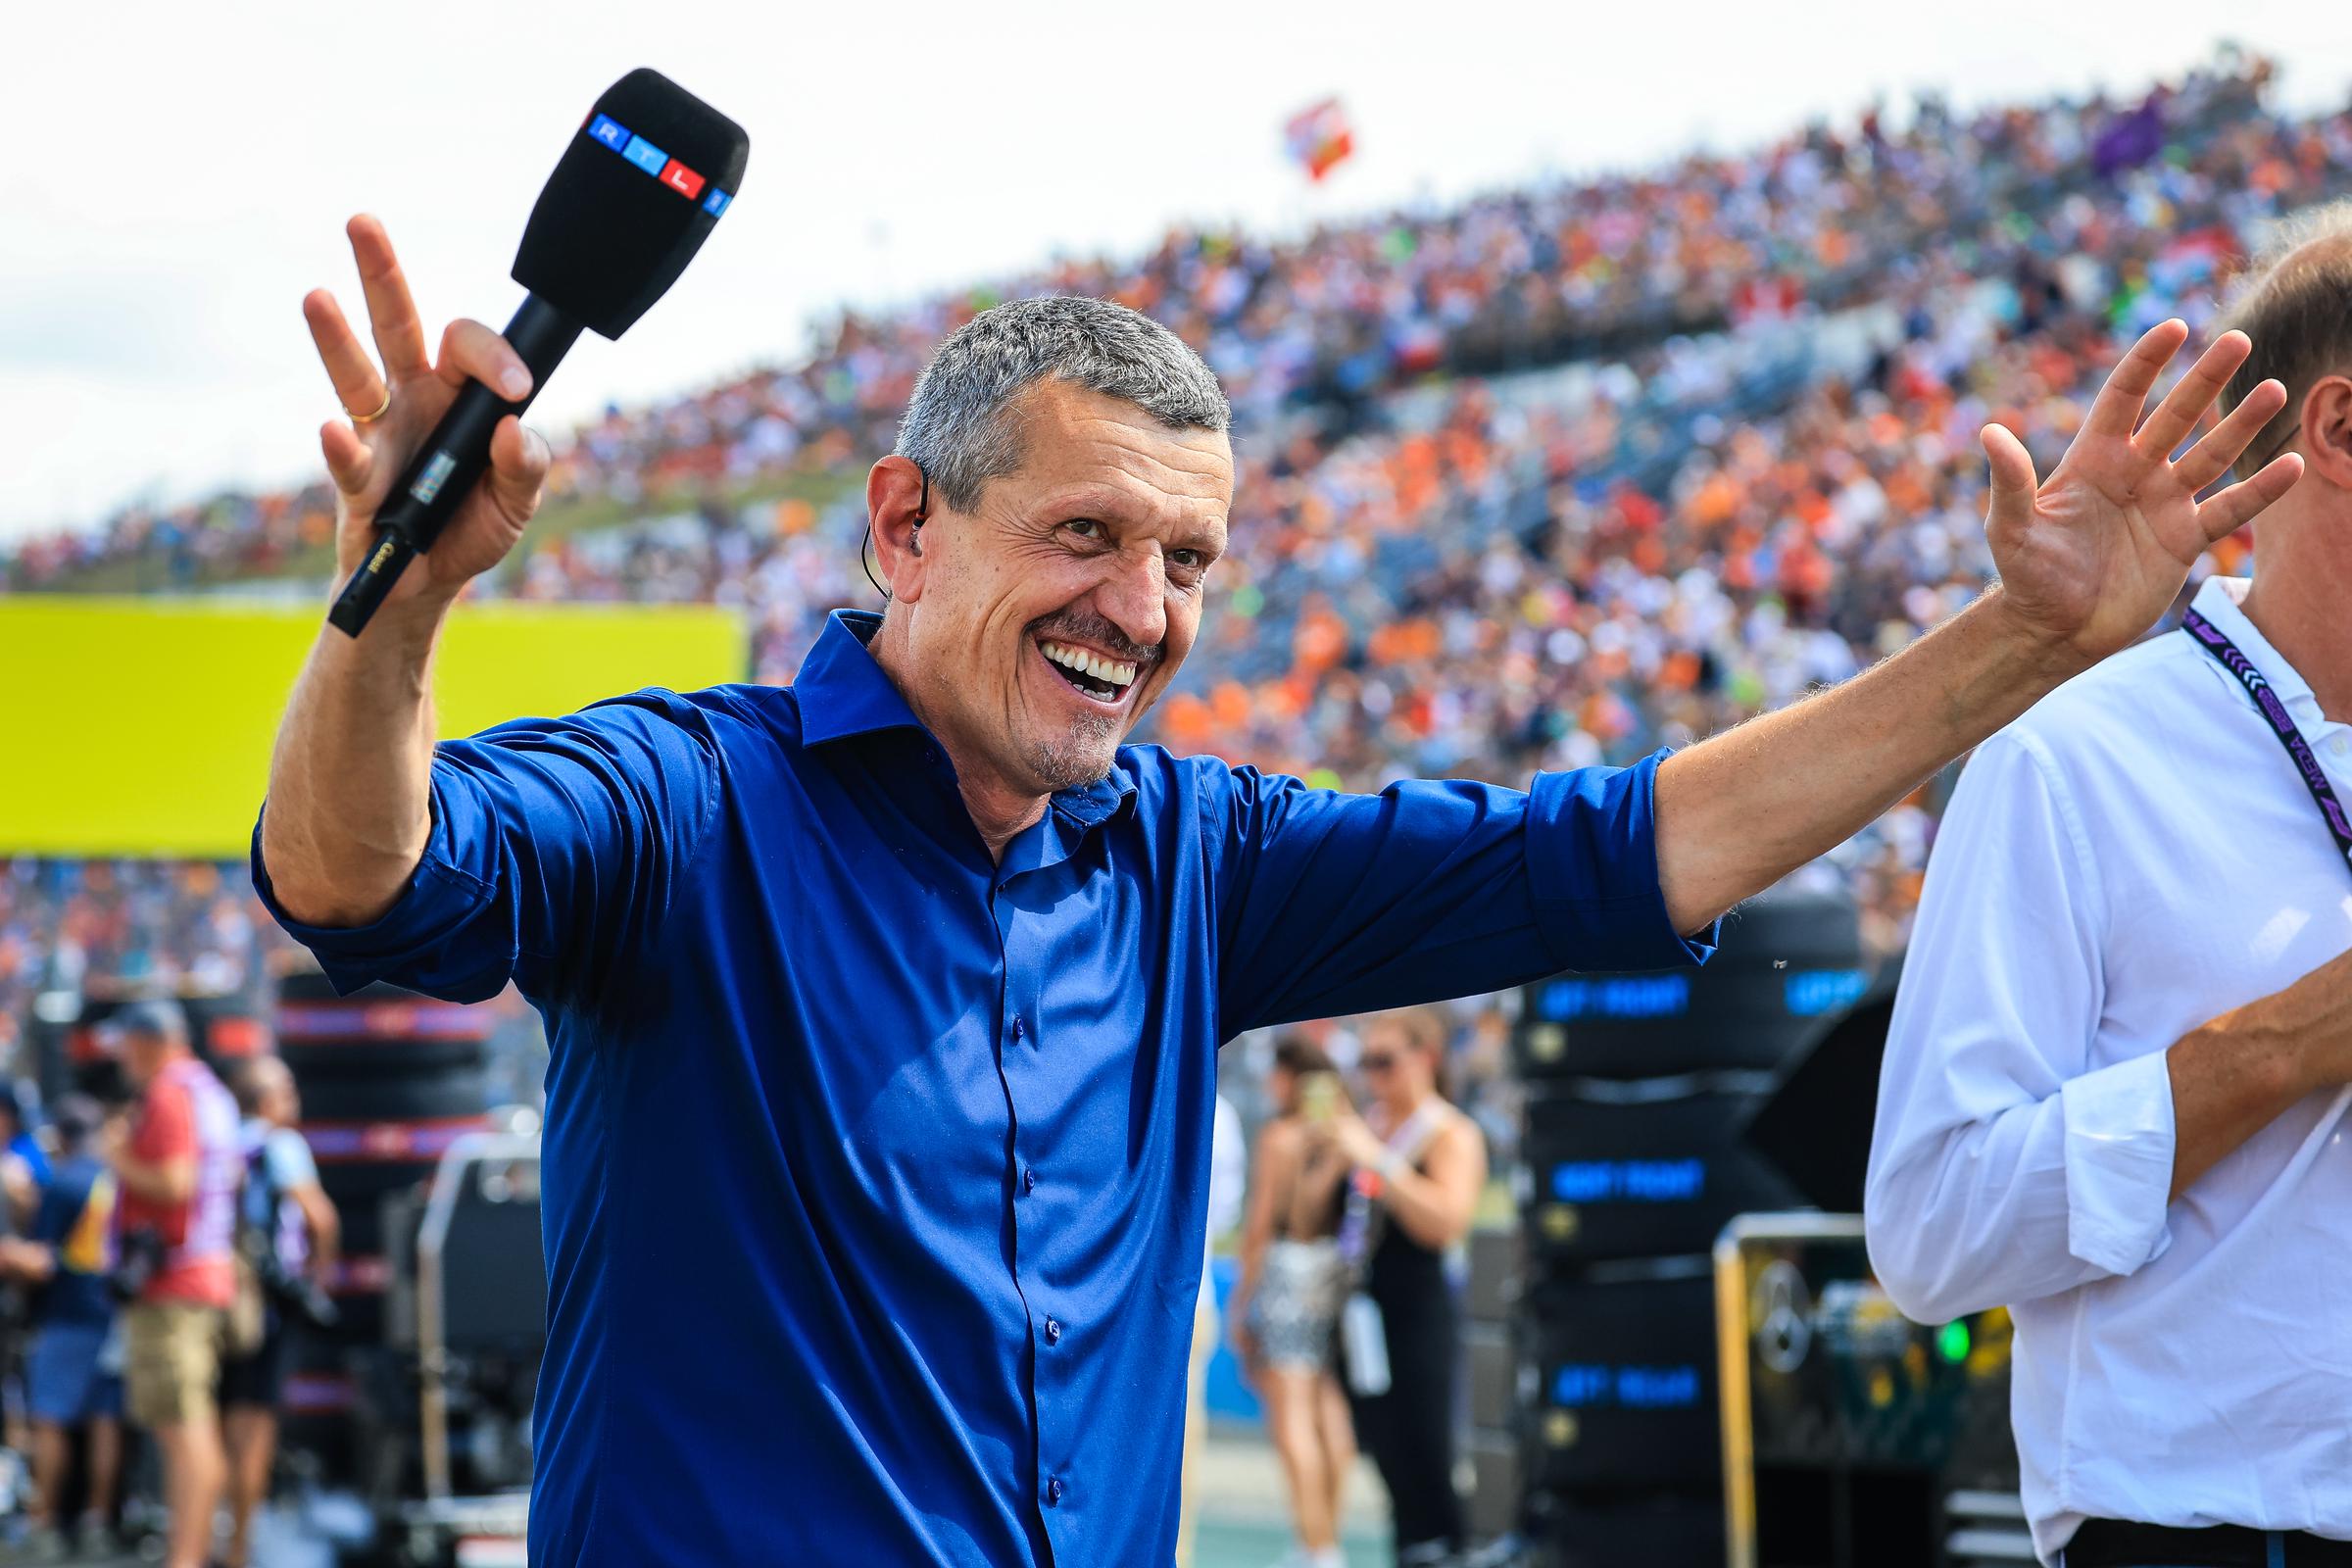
[2013, 481]
[2183, 407]
[2117, 408]
[391, 311]
[472, 351]
[357, 385]
[518, 460]
[2227, 441]
[2236, 505]
[349, 462]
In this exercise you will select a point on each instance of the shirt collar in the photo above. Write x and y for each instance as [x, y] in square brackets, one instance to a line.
[2220, 600]
[844, 693]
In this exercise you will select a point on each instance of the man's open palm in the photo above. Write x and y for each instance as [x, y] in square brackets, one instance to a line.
[2092, 556]
[413, 389]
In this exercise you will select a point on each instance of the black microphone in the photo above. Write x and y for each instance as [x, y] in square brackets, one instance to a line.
[634, 197]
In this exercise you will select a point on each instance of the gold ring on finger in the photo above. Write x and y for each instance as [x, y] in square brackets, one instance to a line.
[371, 418]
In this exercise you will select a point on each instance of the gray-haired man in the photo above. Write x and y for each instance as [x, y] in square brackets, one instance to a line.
[884, 1008]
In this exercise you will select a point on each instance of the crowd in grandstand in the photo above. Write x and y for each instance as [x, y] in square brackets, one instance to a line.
[1451, 555]
[1522, 277]
[125, 928]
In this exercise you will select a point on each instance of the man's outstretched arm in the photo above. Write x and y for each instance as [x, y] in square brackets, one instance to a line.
[350, 778]
[2087, 560]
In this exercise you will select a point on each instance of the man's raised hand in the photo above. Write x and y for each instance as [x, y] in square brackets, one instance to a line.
[414, 389]
[2092, 557]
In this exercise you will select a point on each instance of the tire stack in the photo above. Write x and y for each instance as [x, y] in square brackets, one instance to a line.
[1639, 1088]
[1492, 1303]
[388, 1080]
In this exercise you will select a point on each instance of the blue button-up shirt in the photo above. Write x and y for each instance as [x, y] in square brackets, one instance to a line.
[874, 1169]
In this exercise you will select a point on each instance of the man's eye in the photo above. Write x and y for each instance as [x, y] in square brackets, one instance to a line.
[1085, 529]
[1188, 560]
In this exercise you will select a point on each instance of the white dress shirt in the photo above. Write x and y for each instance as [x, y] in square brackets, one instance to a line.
[1228, 1187]
[2132, 858]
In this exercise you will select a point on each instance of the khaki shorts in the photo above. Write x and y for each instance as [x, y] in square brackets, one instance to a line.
[173, 1360]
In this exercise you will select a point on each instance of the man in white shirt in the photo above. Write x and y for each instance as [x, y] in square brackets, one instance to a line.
[2114, 1089]
[1228, 1184]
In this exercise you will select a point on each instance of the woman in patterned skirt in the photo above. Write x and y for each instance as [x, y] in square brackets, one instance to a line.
[1286, 1306]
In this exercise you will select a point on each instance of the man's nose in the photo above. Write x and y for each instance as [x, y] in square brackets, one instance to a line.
[1136, 598]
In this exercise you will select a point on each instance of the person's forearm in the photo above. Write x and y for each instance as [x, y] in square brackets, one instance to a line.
[1244, 1288]
[1424, 1208]
[2048, 1195]
[2234, 1076]
[350, 780]
[1740, 811]
[33, 1263]
[1255, 1234]
[162, 1181]
[326, 1228]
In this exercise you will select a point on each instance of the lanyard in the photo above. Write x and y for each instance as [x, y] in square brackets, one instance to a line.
[2323, 794]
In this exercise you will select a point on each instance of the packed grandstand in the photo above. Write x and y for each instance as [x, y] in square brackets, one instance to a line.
[1549, 477]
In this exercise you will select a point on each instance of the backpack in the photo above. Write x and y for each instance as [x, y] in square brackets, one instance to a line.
[260, 1271]
[266, 1281]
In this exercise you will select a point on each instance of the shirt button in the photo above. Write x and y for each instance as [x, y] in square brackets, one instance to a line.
[1029, 1181]
[1054, 1491]
[1018, 1028]
[1052, 1333]
[2337, 746]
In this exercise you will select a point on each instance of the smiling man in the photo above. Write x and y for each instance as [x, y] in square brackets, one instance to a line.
[885, 1007]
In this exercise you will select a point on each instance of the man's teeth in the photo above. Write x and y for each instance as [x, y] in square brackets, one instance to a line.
[1116, 671]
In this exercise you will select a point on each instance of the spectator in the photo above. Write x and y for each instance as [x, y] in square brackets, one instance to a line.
[286, 1206]
[179, 1169]
[1287, 1302]
[73, 1382]
[28, 1162]
[24, 1172]
[1416, 1172]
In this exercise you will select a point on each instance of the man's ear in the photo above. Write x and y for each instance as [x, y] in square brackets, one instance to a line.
[2325, 432]
[894, 500]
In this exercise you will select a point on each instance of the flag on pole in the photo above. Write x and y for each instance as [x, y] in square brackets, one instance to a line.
[1319, 138]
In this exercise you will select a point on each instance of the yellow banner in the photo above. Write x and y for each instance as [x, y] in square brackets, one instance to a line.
[138, 726]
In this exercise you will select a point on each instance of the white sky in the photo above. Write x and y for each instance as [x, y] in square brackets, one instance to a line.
[178, 175]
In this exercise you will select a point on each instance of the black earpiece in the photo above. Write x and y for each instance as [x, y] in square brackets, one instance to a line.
[923, 514]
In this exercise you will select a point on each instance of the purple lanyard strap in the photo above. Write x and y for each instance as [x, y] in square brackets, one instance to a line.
[2211, 638]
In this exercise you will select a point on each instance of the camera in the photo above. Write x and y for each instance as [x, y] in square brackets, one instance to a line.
[138, 1254]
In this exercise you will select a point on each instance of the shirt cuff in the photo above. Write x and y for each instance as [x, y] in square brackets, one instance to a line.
[412, 934]
[2118, 1164]
[1592, 862]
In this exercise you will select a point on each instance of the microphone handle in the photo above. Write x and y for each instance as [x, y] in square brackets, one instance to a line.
[446, 468]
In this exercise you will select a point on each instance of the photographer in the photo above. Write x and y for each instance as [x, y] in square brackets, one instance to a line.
[295, 1232]
[179, 1169]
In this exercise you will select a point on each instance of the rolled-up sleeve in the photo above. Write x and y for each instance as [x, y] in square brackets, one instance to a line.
[1329, 903]
[2005, 1167]
[2119, 1162]
[554, 844]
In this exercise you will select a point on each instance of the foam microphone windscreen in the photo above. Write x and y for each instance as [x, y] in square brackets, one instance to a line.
[634, 197]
